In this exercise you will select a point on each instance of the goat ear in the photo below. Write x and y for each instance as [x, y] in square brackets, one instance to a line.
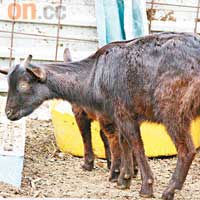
[67, 55]
[4, 70]
[37, 71]
[27, 61]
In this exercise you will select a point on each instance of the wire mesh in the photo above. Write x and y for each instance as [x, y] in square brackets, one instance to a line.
[153, 3]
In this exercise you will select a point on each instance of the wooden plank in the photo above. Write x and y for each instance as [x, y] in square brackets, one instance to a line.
[3, 84]
[184, 3]
[81, 33]
[158, 26]
[47, 52]
[44, 48]
[174, 18]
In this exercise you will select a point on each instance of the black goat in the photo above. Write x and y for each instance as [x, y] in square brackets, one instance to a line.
[108, 134]
[154, 78]
[83, 120]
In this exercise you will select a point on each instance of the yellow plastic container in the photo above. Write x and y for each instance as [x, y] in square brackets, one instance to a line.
[155, 137]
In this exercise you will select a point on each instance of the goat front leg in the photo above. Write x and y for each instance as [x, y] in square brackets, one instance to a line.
[107, 148]
[84, 124]
[186, 153]
[135, 166]
[110, 131]
[115, 159]
[130, 130]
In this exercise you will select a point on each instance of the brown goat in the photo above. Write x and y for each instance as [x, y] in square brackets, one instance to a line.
[154, 78]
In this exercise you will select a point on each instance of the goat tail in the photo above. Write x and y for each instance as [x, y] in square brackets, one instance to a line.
[190, 102]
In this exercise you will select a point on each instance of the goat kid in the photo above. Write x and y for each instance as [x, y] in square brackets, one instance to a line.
[154, 78]
[83, 120]
[30, 77]
[84, 117]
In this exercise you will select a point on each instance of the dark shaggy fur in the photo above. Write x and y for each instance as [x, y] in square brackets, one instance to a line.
[153, 78]
[83, 120]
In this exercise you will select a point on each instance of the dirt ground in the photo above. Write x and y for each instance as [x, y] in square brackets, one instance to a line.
[50, 173]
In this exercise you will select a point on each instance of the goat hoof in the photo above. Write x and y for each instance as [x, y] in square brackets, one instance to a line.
[114, 176]
[122, 187]
[135, 173]
[146, 195]
[88, 166]
[147, 189]
[168, 196]
[123, 183]
[108, 164]
[113, 179]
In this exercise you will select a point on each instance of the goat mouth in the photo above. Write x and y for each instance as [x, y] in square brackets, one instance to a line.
[14, 117]
[19, 114]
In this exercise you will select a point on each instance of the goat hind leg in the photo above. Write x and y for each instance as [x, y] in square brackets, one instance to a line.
[135, 166]
[146, 173]
[186, 152]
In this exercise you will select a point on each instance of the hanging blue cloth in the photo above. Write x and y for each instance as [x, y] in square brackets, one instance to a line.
[120, 20]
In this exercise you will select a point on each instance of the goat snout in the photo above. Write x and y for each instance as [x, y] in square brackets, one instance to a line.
[9, 112]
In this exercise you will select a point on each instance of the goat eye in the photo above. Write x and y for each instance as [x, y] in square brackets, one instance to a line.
[23, 86]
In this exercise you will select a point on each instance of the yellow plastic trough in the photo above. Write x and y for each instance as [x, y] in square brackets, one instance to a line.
[155, 138]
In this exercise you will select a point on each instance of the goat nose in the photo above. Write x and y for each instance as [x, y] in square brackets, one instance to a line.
[8, 112]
